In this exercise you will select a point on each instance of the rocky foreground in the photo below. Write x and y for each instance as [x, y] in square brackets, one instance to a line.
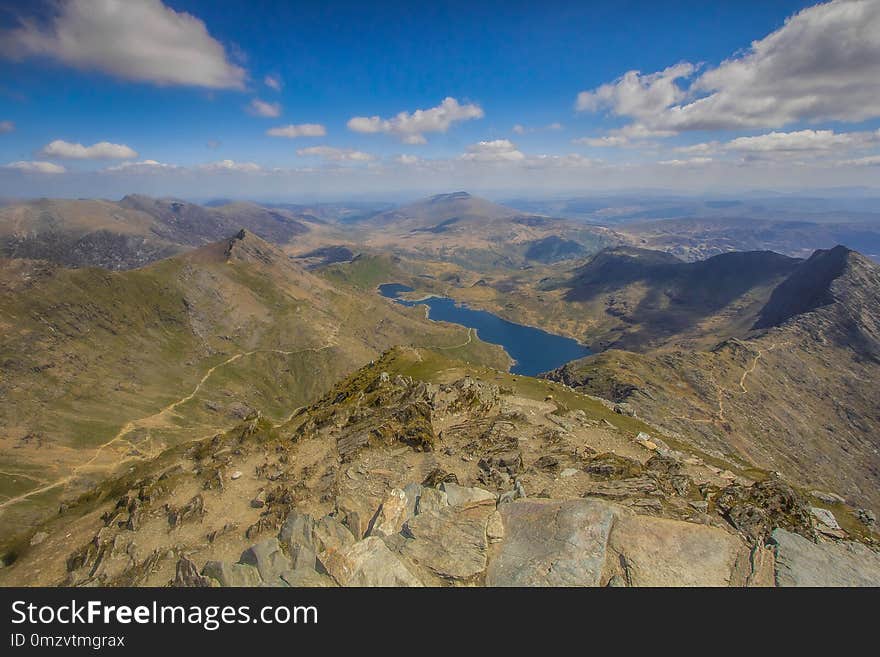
[417, 472]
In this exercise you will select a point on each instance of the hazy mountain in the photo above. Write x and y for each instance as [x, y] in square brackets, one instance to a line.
[133, 232]
[478, 234]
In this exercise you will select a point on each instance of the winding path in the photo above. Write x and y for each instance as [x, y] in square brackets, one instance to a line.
[128, 427]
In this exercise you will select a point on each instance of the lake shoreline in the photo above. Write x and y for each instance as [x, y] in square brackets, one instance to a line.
[532, 349]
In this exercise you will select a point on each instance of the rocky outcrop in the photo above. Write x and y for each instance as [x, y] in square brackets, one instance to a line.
[552, 543]
[800, 562]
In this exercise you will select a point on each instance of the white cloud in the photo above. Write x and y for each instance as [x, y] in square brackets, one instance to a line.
[804, 140]
[821, 64]
[131, 39]
[335, 154]
[784, 143]
[301, 130]
[408, 160]
[637, 95]
[36, 167]
[103, 150]
[410, 128]
[6, 126]
[519, 129]
[610, 141]
[142, 167]
[259, 107]
[498, 150]
[273, 82]
[570, 161]
[231, 165]
[702, 148]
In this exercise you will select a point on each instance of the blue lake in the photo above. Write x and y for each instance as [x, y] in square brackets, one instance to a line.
[534, 350]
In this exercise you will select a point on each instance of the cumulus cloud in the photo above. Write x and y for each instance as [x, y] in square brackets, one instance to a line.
[410, 128]
[142, 167]
[408, 160]
[139, 40]
[820, 65]
[6, 126]
[259, 107]
[103, 150]
[36, 167]
[498, 150]
[273, 82]
[335, 154]
[637, 95]
[570, 161]
[804, 140]
[301, 130]
[783, 143]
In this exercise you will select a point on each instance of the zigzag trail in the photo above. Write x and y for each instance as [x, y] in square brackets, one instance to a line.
[719, 416]
[130, 426]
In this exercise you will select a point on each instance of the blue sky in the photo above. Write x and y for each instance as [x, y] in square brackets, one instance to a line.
[101, 97]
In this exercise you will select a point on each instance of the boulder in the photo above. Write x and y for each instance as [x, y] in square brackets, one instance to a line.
[235, 574]
[662, 552]
[431, 499]
[801, 562]
[268, 558]
[330, 534]
[298, 529]
[457, 495]
[825, 517]
[187, 575]
[551, 543]
[367, 563]
[391, 515]
[450, 542]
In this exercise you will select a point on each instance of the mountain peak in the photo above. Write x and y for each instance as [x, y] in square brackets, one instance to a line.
[809, 287]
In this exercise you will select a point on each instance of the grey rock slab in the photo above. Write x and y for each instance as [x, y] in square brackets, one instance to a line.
[232, 574]
[663, 552]
[367, 563]
[457, 495]
[450, 542]
[330, 534]
[268, 558]
[800, 562]
[551, 543]
[825, 517]
[298, 529]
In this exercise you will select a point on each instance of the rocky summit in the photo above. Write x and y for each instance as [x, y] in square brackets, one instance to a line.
[418, 471]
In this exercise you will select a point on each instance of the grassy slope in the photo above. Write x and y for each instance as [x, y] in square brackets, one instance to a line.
[86, 352]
